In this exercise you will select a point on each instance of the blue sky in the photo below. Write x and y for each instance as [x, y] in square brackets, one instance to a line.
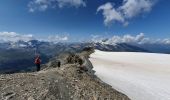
[82, 19]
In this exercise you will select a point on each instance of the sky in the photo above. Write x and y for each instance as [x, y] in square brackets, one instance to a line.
[81, 20]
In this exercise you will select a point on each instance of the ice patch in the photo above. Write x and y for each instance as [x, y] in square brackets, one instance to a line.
[141, 76]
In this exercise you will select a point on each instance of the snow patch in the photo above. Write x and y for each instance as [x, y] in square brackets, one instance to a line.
[141, 76]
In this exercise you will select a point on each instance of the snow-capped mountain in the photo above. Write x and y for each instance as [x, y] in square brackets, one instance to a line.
[156, 47]
[26, 44]
[119, 47]
[102, 45]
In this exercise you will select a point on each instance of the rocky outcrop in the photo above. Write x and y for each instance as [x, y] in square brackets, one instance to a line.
[58, 83]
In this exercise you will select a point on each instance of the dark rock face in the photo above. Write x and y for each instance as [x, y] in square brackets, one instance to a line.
[58, 83]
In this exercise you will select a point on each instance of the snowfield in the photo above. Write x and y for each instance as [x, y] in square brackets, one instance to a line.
[141, 76]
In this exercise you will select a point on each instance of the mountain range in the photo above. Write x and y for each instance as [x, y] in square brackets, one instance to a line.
[19, 56]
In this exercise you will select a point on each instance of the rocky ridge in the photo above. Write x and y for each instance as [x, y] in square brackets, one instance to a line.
[67, 82]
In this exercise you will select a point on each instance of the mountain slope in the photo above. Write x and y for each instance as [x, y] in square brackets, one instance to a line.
[19, 56]
[156, 48]
[64, 83]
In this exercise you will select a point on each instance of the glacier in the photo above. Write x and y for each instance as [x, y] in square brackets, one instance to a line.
[141, 76]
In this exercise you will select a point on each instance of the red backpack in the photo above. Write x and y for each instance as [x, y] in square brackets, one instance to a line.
[37, 61]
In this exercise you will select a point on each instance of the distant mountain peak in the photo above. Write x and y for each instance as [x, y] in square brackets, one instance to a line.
[120, 47]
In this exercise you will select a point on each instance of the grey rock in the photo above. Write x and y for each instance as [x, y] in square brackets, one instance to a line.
[53, 83]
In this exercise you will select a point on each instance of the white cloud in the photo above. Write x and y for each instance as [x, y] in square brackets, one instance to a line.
[131, 8]
[97, 38]
[13, 37]
[57, 38]
[75, 3]
[110, 14]
[138, 39]
[128, 10]
[166, 41]
[42, 5]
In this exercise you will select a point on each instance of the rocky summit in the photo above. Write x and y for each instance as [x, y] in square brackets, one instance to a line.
[74, 79]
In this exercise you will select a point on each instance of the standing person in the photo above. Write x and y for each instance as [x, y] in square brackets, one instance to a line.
[38, 62]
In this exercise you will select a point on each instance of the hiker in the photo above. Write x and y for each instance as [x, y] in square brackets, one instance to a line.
[58, 63]
[38, 62]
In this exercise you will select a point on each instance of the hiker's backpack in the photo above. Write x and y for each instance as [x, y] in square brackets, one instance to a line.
[37, 61]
